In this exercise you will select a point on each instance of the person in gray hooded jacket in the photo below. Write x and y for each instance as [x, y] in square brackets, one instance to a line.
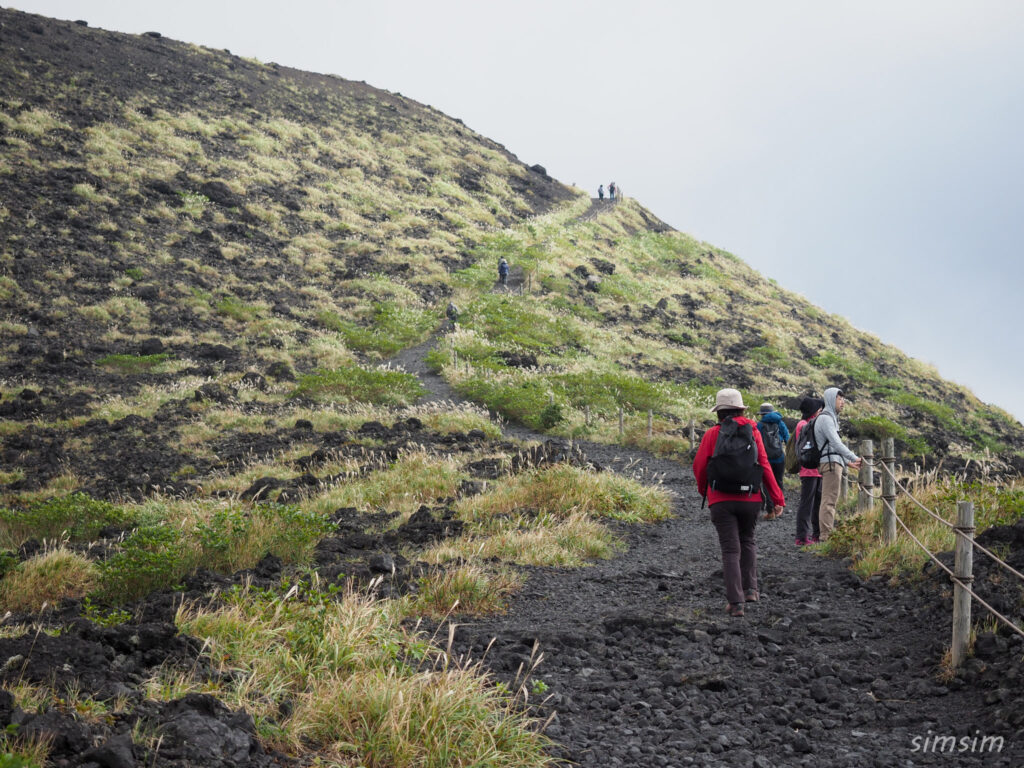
[834, 456]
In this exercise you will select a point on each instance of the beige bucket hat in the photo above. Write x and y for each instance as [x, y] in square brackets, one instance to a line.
[728, 398]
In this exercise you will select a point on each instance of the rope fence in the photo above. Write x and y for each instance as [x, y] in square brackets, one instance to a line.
[963, 575]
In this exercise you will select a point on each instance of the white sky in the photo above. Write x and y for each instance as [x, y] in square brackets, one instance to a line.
[866, 154]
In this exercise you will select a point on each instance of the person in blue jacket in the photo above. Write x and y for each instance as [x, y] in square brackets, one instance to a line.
[774, 435]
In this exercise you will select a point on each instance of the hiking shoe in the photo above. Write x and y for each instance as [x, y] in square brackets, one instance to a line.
[814, 540]
[801, 542]
[735, 610]
[751, 595]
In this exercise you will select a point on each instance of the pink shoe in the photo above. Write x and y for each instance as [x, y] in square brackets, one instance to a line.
[813, 540]
[802, 542]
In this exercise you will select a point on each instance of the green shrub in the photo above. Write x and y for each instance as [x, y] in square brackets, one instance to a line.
[151, 558]
[551, 416]
[239, 537]
[523, 401]
[13, 760]
[9, 560]
[380, 386]
[77, 515]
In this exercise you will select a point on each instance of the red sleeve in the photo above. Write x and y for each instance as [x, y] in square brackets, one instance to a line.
[700, 461]
[766, 472]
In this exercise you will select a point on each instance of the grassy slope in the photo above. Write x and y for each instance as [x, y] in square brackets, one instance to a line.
[340, 222]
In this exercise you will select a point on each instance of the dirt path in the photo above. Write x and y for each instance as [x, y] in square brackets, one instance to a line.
[597, 207]
[644, 669]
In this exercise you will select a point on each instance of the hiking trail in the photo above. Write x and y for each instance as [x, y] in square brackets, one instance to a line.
[643, 668]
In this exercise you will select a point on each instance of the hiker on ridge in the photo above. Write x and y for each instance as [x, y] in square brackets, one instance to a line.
[730, 467]
[808, 527]
[834, 456]
[503, 271]
[774, 434]
[452, 313]
[600, 192]
[611, 191]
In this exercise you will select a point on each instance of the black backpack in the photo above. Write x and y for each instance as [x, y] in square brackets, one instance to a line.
[773, 447]
[733, 467]
[808, 451]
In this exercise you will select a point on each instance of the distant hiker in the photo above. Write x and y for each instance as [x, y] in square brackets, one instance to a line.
[808, 527]
[452, 312]
[730, 467]
[600, 192]
[834, 456]
[611, 191]
[503, 271]
[775, 434]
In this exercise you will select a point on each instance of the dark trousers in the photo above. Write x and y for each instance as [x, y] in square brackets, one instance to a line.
[807, 524]
[735, 522]
[779, 470]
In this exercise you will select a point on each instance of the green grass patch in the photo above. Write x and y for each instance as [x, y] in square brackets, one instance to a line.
[392, 328]
[362, 689]
[77, 517]
[160, 555]
[877, 428]
[352, 384]
[770, 356]
[522, 400]
[563, 490]
[860, 537]
[130, 364]
[516, 321]
[236, 309]
[606, 391]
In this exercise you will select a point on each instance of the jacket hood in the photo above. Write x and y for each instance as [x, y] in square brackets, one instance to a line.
[830, 403]
[773, 417]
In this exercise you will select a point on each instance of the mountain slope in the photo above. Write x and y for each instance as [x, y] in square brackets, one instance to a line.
[174, 212]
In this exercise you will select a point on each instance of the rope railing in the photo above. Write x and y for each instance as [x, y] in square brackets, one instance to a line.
[964, 537]
[959, 580]
[948, 524]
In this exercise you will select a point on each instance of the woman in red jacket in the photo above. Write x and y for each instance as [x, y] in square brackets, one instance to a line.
[736, 502]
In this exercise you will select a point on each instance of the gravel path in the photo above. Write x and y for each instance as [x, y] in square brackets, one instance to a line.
[643, 668]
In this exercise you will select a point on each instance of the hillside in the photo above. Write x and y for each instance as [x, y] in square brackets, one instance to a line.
[174, 211]
[262, 504]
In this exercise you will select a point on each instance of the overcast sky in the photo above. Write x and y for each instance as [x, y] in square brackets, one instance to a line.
[868, 155]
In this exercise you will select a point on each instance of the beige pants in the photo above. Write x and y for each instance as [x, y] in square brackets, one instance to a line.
[831, 477]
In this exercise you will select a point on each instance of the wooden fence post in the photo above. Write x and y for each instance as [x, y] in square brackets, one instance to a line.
[844, 484]
[650, 424]
[622, 423]
[866, 479]
[889, 490]
[586, 415]
[693, 436]
[964, 570]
